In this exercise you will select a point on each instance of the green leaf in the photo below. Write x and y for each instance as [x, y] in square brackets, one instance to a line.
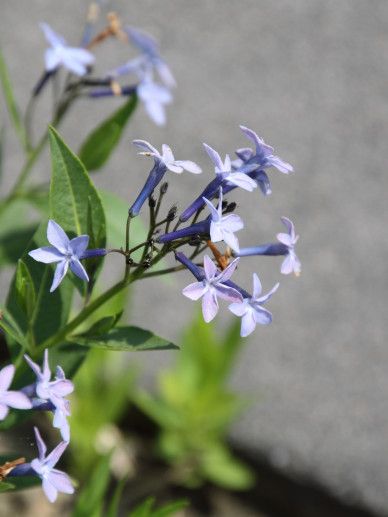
[74, 202]
[103, 325]
[98, 146]
[116, 210]
[146, 508]
[25, 289]
[2, 146]
[113, 508]
[223, 469]
[90, 500]
[170, 509]
[11, 104]
[125, 339]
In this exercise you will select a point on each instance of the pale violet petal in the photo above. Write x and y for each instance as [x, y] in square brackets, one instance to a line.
[6, 376]
[232, 223]
[214, 156]
[238, 308]
[146, 146]
[79, 244]
[213, 210]
[79, 270]
[156, 112]
[59, 274]
[248, 323]
[52, 59]
[54, 456]
[50, 491]
[231, 240]
[289, 225]
[262, 316]
[16, 399]
[268, 295]
[42, 449]
[46, 254]
[52, 37]
[167, 154]
[216, 233]
[285, 239]
[228, 293]
[189, 166]
[257, 287]
[57, 237]
[228, 271]
[209, 267]
[287, 266]
[209, 305]
[4, 410]
[61, 481]
[195, 290]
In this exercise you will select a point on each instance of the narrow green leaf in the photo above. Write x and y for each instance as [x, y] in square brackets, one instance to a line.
[171, 509]
[90, 500]
[2, 146]
[74, 202]
[125, 339]
[113, 508]
[144, 509]
[98, 146]
[11, 104]
[25, 289]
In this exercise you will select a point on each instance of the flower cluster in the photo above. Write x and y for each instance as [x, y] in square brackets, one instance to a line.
[44, 394]
[217, 224]
[147, 64]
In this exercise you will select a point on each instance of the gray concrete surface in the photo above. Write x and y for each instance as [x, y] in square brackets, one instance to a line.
[312, 78]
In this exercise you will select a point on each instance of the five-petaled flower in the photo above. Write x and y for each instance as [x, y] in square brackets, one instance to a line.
[222, 227]
[167, 158]
[213, 286]
[54, 392]
[250, 309]
[53, 480]
[231, 176]
[64, 251]
[75, 60]
[8, 398]
[291, 264]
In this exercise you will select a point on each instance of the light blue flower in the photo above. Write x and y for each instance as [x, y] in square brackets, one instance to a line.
[154, 97]
[54, 392]
[222, 228]
[74, 59]
[53, 480]
[212, 286]
[64, 251]
[250, 309]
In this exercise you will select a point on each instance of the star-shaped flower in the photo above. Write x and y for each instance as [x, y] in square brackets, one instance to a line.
[64, 251]
[53, 480]
[291, 264]
[211, 287]
[75, 60]
[222, 228]
[250, 309]
[264, 156]
[232, 177]
[8, 398]
[167, 158]
[54, 392]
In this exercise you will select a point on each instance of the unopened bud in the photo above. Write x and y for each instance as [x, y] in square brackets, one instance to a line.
[172, 213]
[163, 188]
[151, 201]
[231, 207]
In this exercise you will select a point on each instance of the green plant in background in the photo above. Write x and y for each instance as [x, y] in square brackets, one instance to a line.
[194, 408]
[91, 499]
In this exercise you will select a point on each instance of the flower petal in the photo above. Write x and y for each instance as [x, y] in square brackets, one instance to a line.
[257, 287]
[79, 270]
[228, 271]
[51, 59]
[228, 293]
[6, 376]
[213, 210]
[57, 237]
[4, 410]
[16, 399]
[42, 449]
[189, 166]
[248, 323]
[79, 244]
[238, 308]
[50, 490]
[59, 274]
[54, 456]
[51, 36]
[209, 267]
[46, 254]
[209, 305]
[61, 481]
[194, 291]
[215, 157]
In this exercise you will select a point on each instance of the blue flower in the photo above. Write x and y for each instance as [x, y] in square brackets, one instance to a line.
[154, 97]
[250, 308]
[75, 60]
[163, 162]
[53, 392]
[211, 286]
[64, 251]
[53, 480]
